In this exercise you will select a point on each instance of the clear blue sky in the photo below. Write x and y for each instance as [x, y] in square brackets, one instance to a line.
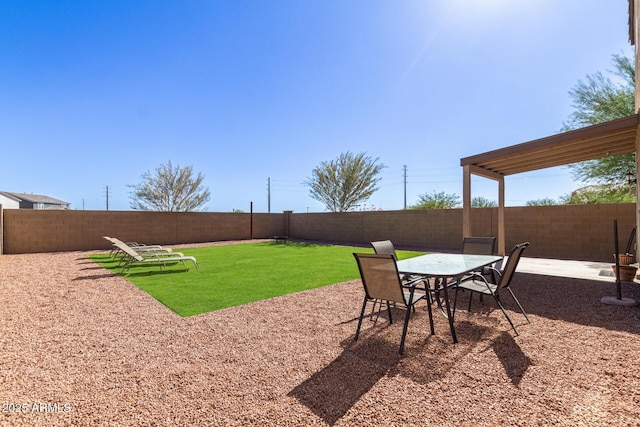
[95, 93]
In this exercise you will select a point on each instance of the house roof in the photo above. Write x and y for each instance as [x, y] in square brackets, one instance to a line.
[34, 198]
[592, 142]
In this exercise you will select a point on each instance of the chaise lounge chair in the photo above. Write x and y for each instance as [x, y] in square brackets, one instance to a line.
[132, 256]
[142, 249]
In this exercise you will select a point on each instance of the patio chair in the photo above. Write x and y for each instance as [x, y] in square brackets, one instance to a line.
[131, 257]
[384, 247]
[381, 281]
[481, 246]
[478, 245]
[480, 284]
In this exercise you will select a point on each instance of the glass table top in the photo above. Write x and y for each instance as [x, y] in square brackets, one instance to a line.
[445, 265]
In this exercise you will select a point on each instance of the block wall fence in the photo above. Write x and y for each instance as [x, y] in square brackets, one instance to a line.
[580, 232]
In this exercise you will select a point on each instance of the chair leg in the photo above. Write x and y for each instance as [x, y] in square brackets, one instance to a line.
[455, 299]
[497, 298]
[406, 324]
[519, 306]
[389, 311]
[378, 303]
[433, 331]
[364, 306]
[373, 308]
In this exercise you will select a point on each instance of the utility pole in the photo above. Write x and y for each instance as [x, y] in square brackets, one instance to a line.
[251, 221]
[269, 195]
[404, 168]
[107, 194]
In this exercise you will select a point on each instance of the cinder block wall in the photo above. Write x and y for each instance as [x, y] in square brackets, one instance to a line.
[27, 231]
[581, 232]
[419, 228]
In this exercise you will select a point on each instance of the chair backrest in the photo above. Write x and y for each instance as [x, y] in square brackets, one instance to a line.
[479, 245]
[384, 247]
[380, 277]
[127, 249]
[512, 263]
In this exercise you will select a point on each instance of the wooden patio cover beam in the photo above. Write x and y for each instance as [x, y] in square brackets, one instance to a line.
[593, 142]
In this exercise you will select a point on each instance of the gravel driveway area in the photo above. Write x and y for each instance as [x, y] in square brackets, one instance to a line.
[80, 346]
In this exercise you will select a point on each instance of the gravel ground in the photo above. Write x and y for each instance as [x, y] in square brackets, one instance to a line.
[80, 346]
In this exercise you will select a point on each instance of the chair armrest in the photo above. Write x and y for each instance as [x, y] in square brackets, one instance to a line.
[495, 270]
[470, 276]
[414, 284]
[162, 255]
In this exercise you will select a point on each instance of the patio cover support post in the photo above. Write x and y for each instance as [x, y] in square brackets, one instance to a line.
[466, 202]
[637, 193]
[502, 250]
[634, 40]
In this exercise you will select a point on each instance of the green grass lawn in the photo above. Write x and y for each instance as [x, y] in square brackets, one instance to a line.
[238, 274]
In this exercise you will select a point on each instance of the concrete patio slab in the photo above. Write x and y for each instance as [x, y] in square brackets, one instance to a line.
[589, 270]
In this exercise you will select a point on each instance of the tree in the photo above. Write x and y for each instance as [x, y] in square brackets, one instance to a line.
[341, 184]
[170, 190]
[437, 201]
[547, 201]
[482, 202]
[604, 193]
[598, 100]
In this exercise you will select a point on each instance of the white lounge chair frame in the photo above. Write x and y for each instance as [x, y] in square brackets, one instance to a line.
[131, 256]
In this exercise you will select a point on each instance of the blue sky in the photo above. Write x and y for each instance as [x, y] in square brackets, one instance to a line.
[95, 93]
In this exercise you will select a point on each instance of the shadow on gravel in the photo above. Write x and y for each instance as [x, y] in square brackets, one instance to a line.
[332, 391]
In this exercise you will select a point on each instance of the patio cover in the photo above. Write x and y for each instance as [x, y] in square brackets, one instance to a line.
[593, 142]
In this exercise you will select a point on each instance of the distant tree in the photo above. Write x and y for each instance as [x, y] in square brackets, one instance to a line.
[169, 190]
[343, 183]
[436, 200]
[542, 202]
[605, 193]
[237, 211]
[481, 202]
[597, 100]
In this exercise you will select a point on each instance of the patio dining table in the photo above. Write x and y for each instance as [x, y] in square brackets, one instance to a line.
[445, 268]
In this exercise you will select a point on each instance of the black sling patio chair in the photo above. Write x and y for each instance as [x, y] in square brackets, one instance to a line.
[387, 247]
[475, 245]
[480, 284]
[381, 281]
[384, 247]
[479, 245]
